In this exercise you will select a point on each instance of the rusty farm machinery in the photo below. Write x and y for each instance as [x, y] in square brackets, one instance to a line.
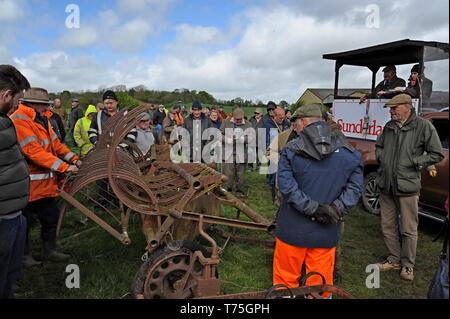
[175, 202]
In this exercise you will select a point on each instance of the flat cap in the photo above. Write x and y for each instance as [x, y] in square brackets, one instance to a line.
[399, 99]
[310, 110]
[144, 117]
[238, 114]
[390, 68]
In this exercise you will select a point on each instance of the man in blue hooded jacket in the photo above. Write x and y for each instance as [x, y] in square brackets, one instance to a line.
[320, 178]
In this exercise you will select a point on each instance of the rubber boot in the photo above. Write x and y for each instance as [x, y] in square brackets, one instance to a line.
[50, 252]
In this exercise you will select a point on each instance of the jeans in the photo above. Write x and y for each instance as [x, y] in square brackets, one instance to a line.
[12, 245]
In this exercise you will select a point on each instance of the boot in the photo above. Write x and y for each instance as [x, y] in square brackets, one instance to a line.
[50, 252]
[29, 261]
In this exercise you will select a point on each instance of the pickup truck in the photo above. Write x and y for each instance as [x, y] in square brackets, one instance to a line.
[363, 122]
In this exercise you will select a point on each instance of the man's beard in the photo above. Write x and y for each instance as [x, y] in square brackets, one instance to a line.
[7, 107]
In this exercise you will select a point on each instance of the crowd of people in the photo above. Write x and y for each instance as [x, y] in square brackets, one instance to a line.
[319, 175]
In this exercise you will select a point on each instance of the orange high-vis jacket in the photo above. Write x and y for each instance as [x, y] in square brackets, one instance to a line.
[44, 152]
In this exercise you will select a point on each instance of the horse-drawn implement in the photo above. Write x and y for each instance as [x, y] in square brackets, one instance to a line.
[175, 202]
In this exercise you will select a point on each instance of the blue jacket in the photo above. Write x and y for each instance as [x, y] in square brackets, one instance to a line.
[318, 167]
[269, 124]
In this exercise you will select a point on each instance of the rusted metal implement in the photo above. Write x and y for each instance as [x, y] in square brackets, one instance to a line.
[175, 202]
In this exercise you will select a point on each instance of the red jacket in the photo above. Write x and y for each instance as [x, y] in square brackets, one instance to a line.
[44, 152]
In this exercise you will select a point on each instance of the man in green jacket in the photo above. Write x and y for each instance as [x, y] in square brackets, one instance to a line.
[407, 144]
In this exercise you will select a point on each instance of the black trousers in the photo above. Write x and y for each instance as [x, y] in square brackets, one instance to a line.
[48, 214]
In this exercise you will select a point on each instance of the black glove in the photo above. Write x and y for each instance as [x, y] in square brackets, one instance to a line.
[326, 214]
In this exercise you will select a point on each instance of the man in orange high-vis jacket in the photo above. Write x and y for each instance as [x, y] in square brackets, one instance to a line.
[46, 157]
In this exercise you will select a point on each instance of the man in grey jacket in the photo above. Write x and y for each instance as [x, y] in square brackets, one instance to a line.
[14, 183]
[407, 144]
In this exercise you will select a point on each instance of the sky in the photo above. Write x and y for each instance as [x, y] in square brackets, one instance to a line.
[259, 50]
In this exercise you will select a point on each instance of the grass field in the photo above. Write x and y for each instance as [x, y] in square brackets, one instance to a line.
[107, 267]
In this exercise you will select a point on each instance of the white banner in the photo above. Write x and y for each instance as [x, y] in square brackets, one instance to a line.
[365, 120]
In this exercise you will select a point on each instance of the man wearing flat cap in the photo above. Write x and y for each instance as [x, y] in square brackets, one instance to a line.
[235, 161]
[389, 87]
[320, 178]
[407, 144]
[145, 137]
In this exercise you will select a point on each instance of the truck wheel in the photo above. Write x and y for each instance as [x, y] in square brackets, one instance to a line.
[371, 194]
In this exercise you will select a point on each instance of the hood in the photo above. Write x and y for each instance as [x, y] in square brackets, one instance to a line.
[91, 109]
[317, 141]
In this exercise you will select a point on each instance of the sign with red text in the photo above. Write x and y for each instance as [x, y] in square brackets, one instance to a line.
[365, 120]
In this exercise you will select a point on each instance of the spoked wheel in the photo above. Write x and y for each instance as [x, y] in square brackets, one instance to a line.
[161, 276]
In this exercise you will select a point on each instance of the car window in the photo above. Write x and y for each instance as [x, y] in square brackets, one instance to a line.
[441, 126]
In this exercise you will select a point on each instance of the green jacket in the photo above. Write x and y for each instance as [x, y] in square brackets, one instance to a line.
[403, 151]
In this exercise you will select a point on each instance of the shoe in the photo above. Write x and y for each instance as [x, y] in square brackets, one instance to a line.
[386, 265]
[29, 261]
[54, 255]
[407, 274]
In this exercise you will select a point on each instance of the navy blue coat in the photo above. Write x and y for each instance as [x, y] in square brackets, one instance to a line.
[326, 171]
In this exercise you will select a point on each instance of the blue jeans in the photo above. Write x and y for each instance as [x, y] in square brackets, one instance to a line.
[12, 245]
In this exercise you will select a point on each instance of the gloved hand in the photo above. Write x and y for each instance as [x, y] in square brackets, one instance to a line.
[72, 169]
[326, 214]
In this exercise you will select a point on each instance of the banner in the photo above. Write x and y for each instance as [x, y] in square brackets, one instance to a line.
[363, 120]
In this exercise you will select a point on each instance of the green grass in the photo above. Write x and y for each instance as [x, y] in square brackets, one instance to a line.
[107, 267]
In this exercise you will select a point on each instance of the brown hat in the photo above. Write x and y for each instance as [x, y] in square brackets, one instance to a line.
[310, 110]
[36, 95]
[75, 100]
[389, 68]
[399, 99]
[238, 114]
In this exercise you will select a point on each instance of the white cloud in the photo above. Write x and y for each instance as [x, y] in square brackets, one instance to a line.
[192, 35]
[83, 37]
[11, 10]
[278, 54]
[128, 27]
[131, 36]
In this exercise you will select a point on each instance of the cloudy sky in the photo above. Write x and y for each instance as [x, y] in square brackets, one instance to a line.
[267, 49]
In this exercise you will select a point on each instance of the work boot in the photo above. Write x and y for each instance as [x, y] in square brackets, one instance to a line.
[387, 265]
[407, 274]
[50, 252]
[29, 261]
